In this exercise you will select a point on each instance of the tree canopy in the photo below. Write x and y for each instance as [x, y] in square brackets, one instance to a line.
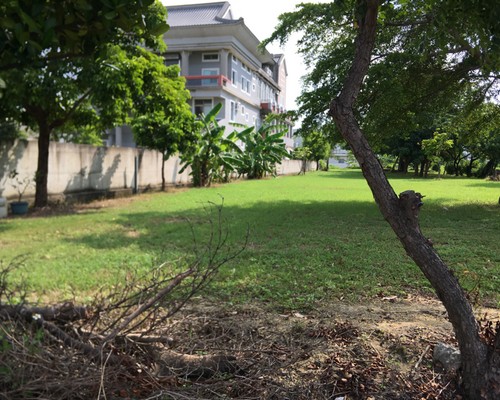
[36, 32]
[318, 145]
[86, 66]
[163, 120]
[429, 55]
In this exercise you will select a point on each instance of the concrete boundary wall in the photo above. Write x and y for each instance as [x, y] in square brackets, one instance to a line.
[80, 171]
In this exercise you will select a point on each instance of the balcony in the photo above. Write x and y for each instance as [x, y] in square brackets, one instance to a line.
[206, 81]
[270, 106]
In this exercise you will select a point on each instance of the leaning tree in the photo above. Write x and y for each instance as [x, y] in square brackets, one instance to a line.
[448, 44]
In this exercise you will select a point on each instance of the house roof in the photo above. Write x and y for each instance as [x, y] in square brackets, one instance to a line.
[280, 59]
[195, 26]
[201, 14]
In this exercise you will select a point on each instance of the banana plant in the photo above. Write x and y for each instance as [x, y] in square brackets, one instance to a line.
[211, 155]
[263, 149]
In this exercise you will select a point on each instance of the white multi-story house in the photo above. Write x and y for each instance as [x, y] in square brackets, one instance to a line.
[222, 62]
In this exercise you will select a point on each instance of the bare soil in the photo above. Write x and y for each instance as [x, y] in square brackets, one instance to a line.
[378, 350]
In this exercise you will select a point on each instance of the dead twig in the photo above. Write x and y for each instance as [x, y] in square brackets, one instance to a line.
[417, 364]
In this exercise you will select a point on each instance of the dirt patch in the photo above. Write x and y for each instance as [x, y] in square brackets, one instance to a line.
[66, 208]
[58, 209]
[378, 350]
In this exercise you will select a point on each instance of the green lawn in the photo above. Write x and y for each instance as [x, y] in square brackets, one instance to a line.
[312, 238]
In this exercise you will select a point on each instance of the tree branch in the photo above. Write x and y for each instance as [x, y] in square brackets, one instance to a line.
[61, 121]
[176, 281]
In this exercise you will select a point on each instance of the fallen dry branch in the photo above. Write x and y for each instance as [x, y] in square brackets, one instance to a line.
[189, 366]
[149, 303]
[243, 352]
[66, 312]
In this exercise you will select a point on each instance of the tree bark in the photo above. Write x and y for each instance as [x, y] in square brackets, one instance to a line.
[402, 215]
[42, 171]
[163, 172]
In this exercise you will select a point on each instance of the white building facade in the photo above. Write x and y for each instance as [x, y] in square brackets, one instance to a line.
[222, 62]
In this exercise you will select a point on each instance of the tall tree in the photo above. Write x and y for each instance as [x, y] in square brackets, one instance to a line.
[444, 30]
[474, 135]
[74, 66]
[436, 148]
[411, 70]
[164, 120]
[318, 144]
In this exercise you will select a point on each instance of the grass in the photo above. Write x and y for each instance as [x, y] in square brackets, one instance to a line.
[312, 238]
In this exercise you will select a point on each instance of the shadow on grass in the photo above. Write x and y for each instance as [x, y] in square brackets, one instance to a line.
[357, 174]
[279, 220]
[485, 184]
[4, 227]
[343, 173]
[282, 219]
[315, 246]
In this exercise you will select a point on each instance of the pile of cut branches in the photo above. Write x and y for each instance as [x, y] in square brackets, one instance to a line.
[116, 346]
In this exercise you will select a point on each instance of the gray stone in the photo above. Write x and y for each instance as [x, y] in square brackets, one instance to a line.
[447, 356]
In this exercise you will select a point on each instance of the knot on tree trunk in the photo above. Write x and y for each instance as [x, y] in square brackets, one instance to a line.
[410, 203]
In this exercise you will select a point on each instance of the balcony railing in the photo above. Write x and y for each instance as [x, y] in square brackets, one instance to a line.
[270, 106]
[206, 81]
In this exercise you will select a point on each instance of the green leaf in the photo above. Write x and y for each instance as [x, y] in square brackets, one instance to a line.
[213, 112]
[159, 29]
[28, 20]
[7, 23]
[110, 15]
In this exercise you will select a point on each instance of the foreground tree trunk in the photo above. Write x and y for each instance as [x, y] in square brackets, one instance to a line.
[480, 364]
[42, 171]
[163, 184]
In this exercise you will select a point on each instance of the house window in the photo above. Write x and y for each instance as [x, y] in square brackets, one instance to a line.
[245, 68]
[246, 117]
[245, 85]
[202, 106]
[233, 111]
[211, 81]
[234, 78]
[210, 57]
[254, 84]
[172, 59]
[242, 110]
[235, 60]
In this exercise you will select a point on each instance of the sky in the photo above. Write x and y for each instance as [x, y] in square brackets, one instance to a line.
[261, 17]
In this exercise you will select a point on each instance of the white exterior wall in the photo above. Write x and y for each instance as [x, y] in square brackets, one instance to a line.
[75, 168]
[293, 167]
